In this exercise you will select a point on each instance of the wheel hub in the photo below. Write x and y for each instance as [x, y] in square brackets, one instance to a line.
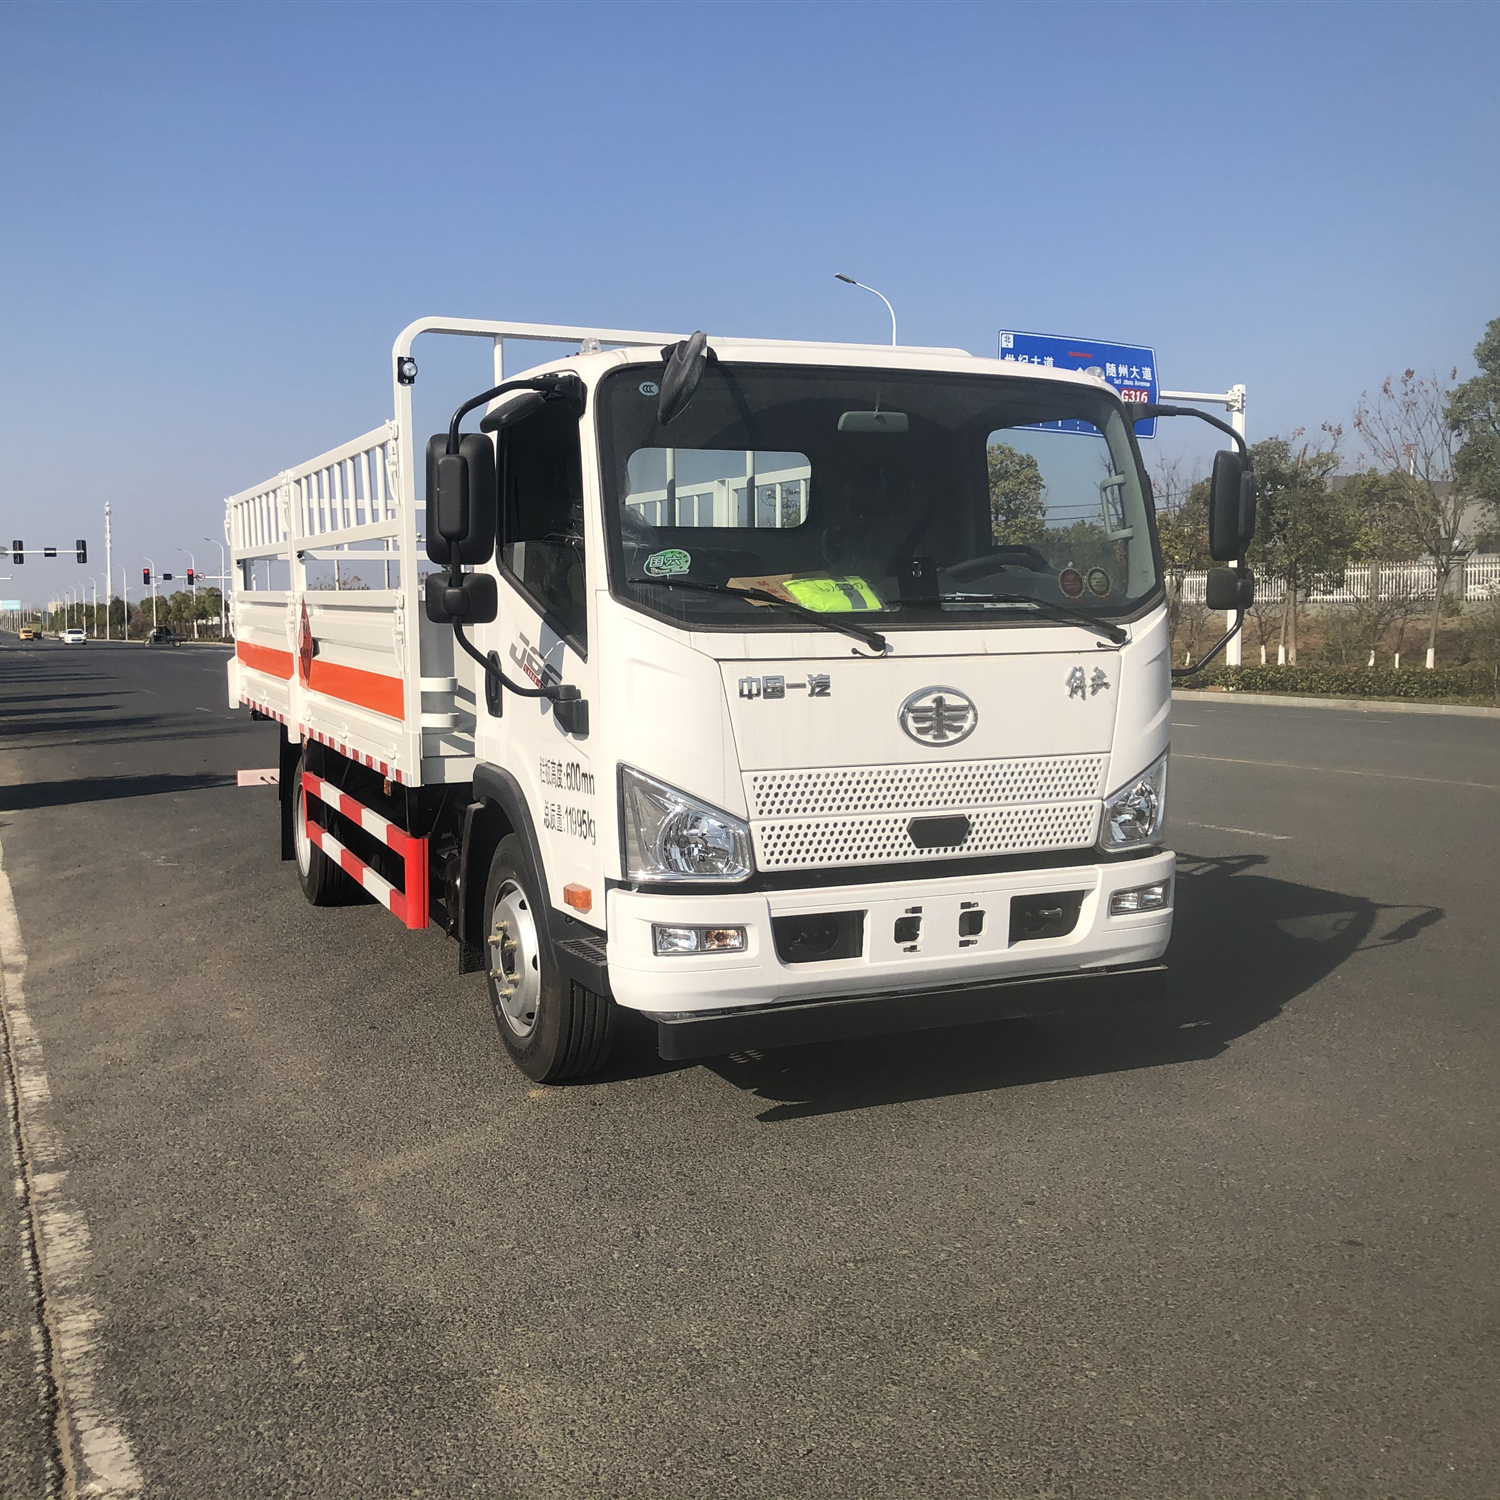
[301, 842]
[515, 960]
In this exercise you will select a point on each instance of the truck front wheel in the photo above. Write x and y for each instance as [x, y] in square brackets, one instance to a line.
[552, 1027]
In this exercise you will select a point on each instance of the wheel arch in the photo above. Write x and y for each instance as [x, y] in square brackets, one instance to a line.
[499, 808]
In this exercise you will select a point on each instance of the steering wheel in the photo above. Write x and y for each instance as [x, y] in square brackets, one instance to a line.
[977, 567]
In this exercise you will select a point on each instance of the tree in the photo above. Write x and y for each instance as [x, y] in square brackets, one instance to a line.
[1018, 511]
[1474, 415]
[1304, 530]
[1385, 508]
[1182, 529]
[1407, 429]
[1181, 516]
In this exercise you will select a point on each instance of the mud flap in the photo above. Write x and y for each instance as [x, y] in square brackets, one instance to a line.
[291, 755]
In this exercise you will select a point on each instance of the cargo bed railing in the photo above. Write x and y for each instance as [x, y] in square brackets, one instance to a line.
[328, 560]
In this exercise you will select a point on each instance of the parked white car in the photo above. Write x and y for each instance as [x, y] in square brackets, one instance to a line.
[73, 636]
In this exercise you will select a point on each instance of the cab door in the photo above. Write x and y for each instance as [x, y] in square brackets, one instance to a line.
[542, 636]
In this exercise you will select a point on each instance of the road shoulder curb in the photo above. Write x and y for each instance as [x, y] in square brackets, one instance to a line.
[1357, 705]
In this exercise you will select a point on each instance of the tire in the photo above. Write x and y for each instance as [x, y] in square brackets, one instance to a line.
[323, 882]
[552, 1027]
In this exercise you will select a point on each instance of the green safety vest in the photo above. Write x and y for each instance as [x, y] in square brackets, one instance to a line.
[833, 596]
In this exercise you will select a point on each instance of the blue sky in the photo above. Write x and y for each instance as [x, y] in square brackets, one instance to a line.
[216, 217]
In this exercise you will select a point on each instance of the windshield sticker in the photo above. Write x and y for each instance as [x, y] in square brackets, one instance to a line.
[1098, 583]
[669, 564]
[649, 388]
[1070, 581]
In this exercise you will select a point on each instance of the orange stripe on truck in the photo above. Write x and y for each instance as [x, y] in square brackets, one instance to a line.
[372, 690]
[265, 659]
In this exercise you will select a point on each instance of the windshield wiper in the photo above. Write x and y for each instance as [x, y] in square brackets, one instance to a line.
[872, 638]
[1042, 606]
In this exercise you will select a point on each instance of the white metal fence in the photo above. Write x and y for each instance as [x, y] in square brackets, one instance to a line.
[1473, 579]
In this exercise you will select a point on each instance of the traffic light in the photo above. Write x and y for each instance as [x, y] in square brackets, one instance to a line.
[146, 577]
[83, 550]
[190, 578]
[18, 552]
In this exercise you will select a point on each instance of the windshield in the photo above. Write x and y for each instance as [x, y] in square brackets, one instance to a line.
[919, 499]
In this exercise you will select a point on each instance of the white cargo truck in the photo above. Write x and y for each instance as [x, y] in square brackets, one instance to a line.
[776, 691]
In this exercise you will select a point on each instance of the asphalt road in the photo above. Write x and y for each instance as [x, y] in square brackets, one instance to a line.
[1242, 1244]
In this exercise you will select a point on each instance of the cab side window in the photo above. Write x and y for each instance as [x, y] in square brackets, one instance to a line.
[541, 517]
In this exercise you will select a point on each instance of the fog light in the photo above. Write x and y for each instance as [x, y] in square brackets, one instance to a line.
[723, 939]
[1140, 898]
[671, 939]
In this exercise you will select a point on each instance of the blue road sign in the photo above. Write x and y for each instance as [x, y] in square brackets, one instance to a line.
[1129, 368]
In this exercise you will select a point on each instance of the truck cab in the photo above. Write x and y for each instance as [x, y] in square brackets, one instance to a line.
[775, 691]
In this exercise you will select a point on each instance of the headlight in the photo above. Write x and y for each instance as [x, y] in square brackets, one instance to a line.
[671, 836]
[1133, 816]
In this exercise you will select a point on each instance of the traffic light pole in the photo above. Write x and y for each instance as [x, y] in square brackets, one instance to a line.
[107, 574]
[193, 574]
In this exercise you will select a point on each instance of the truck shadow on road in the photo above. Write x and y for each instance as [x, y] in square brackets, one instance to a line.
[35, 794]
[1244, 945]
[7, 699]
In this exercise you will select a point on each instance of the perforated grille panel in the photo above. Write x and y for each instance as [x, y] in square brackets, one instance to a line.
[807, 843]
[954, 787]
[858, 815]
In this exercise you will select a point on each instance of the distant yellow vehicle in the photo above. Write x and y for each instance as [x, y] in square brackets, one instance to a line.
[29, 632]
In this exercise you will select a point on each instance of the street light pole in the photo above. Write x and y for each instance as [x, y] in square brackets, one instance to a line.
[94, 589]
[839, 276]
[108, 565]
[125, 602]
[224, 569]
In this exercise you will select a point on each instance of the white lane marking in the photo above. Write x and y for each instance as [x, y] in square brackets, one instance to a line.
[201, 709]
[267, 776]
[1291, 765]
[96, 1451]
[1183, 724]
[1254, 833]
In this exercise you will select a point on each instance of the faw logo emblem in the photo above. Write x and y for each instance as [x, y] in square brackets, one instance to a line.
[938, 716]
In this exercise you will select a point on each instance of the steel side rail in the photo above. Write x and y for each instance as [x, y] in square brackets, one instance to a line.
[409, 905]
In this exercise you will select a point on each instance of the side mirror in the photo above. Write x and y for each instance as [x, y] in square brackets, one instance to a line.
[685, 366]
[473, 601]
[515, 408]
[1231, 506]
[1229, 590]
[462, 499]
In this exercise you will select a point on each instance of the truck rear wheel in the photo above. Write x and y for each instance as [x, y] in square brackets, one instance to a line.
[552, 1026]
[323, 882]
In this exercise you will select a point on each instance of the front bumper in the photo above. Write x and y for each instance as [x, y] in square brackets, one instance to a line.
[944, 974]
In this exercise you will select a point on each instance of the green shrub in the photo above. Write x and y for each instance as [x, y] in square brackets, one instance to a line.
[1353, 682]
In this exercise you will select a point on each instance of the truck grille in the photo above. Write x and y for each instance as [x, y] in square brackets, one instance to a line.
[951, 787]
[858, 815]
[812, 842]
